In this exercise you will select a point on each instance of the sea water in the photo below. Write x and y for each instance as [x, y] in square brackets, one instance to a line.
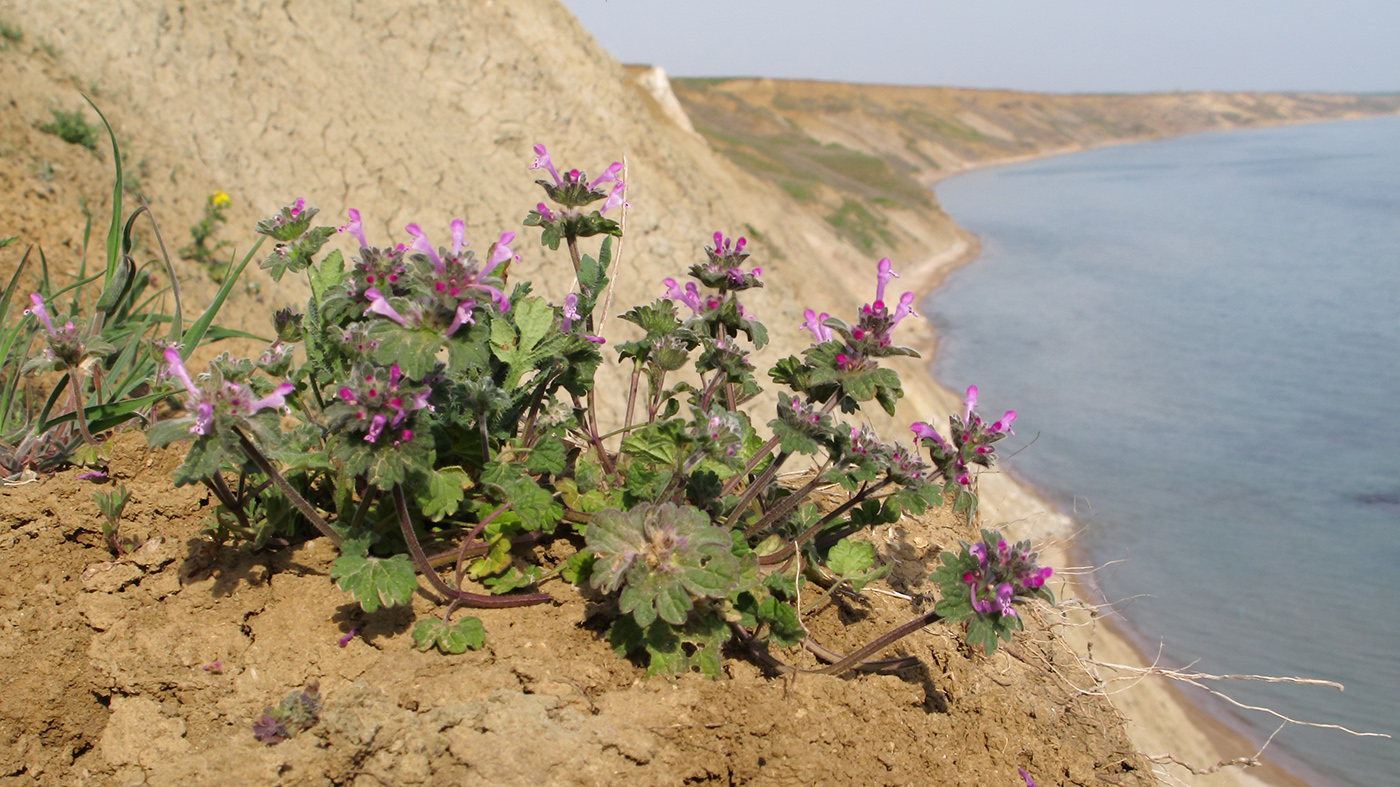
[1202, 338]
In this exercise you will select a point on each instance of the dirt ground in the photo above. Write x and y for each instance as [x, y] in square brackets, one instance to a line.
[152, 670]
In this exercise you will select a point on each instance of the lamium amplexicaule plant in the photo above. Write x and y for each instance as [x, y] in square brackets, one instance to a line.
[444, 423]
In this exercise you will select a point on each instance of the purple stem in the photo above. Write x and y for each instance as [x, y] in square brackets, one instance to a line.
[426, 569]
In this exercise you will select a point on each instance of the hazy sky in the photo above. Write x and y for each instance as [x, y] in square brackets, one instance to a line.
[1044, 45]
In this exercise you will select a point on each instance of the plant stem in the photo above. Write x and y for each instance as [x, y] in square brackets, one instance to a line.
[574, 255]
[362, 510]
[734, 480]
[306, 509]
[755, 488]
[426, 569]
[632, 393]
[880, 643]
[219, 487]
[79, 417]
[476, 531]
[784, 506]
[595, 440]
[791, 546]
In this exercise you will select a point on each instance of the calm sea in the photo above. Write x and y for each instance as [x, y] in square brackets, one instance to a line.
[1204, 335]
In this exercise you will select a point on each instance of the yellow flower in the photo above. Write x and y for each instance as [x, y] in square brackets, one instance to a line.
[218, 199]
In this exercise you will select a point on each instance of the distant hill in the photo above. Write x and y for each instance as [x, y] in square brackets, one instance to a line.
[857, 154]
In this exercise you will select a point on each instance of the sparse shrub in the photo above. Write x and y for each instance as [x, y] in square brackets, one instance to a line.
[10, 34]
[71, 128]
[199, 251]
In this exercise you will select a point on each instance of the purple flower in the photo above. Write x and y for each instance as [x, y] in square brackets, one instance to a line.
[1005, 595]
[379, 305]
[971, 403]
[570, 310]
[925, 432]
[277, 399]
[883, 274]
[1026, 776]
[545, 212]
[1004, 425]
[615, 198]
[37, 309]
[690, 296]
[542, 162]
[214, 667]
[93, 475]
[459, 235]
[463, 316]
[979, 551]
[500, 252]
[376, 426]
[421, 245]
[905, 309]
[609, 175]
[297, 207]
[355, 227]
[349, 635]
[979, 605]
[815, 325]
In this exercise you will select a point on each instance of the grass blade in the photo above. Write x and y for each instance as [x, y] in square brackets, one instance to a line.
[195, 334]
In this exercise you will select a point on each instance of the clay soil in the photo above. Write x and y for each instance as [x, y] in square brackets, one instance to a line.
[152, 669]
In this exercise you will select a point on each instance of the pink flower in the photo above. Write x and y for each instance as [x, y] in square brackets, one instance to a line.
[690, 296]
[459, 235]
[380, 306]
[971, 403]
[37, 309]
[542, 162]
[355, 227]
[883, 274]
[545, 212]
[609, 175]
[815, 325]
[277, 399]
[1004, 425]
[615, 198]
[420, 244]
[905, 309]
[463, 316]
[501, 252]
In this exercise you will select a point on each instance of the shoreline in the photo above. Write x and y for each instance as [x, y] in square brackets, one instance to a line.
[1162, 718]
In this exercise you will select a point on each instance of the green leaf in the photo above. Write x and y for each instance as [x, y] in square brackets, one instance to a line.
[466, 634]
[373, 581]
[848, 557]
[784, 629]
[625, 636]
[329, 273]
[441, 492]
[546, 456]
[493, 562]
[532, 318]
[577, 567]
[415, 351]
[533, 504]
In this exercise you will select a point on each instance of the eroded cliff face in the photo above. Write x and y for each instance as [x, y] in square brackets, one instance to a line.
[415, 111]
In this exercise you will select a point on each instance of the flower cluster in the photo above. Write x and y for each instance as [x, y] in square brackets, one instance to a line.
[573, 192]
[374, 400]
[220, 401]
[1002, 574]
[444, 286]
[722, 270]
[873, 332]
[971, 443]
[64, 347]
